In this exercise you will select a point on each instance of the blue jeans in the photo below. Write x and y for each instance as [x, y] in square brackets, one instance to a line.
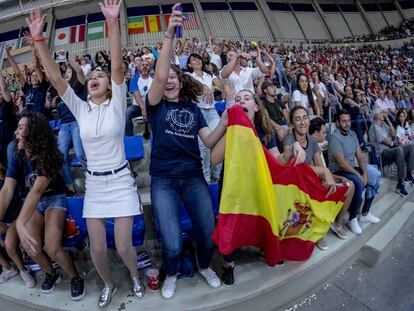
[68, 134]
[46, 203]
[166, 197]
[132, 111]
[359, 188]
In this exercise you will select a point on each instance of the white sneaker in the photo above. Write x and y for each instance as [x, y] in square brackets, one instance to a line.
[28, 278]
[369, 218]
[354, 226]
[211, 277]
[8, 274]
[168, 288]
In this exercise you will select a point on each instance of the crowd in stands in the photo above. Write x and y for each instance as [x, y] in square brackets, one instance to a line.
[404, 30]
[290, 94]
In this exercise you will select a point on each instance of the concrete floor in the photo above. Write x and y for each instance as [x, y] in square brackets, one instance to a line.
[389, 286]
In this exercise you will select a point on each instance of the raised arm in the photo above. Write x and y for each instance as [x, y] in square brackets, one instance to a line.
[3, 88]
[259, 62]
[162, 70]
[229, 68]
[78, 69]
[110, 9]
[36, 22]
[16, 69]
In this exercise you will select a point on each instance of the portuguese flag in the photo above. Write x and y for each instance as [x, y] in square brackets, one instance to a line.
[281, 209]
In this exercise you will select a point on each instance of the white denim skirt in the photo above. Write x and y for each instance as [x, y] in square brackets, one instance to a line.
[114, 195]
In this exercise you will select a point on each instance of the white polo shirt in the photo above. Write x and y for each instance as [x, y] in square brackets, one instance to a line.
[102, 128]
[243, 80]
[206, 80]
[216, 60]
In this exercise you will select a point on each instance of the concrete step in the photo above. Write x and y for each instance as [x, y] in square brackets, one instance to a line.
[381, 245]
[258, 286]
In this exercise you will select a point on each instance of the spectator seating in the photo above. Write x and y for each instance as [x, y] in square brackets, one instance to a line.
[220, 106]
[55, 125]
[75, 229]
[138, 231]
[134, 149]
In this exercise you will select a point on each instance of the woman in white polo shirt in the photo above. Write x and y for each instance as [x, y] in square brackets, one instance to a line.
[196, 67]
[110, 187]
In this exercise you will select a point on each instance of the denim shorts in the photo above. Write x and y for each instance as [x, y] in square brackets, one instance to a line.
[57, 201]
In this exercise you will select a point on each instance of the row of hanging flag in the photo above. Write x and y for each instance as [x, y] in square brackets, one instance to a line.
[136, 25]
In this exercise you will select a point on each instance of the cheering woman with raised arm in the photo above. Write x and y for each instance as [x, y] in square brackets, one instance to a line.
[110, 187]
[177, 176]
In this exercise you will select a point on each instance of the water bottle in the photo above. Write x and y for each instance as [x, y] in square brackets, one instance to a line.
[179, 29]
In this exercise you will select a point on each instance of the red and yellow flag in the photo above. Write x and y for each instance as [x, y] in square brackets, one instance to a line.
[153, 23]
[281, 209]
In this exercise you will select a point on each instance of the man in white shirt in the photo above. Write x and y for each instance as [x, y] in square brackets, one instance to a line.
[86, 68]
[385, 105]
[241, 78]
[139, 87]
[215, 53]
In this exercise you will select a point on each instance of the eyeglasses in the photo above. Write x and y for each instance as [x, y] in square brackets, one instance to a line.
[304, 119]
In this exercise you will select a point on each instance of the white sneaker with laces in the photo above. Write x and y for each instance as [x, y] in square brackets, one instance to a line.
[168, 288]
[28, 278]
[8, 274]
[369, 218]
[354, 226]
[211, 277]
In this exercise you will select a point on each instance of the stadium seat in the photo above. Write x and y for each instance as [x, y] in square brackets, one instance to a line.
[134, 150]
[374, 159]
[75, 226]
[134, 147]
[138, 231]
[220, 106]
[55, 124]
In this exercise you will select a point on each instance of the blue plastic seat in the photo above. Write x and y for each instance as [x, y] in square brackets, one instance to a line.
[75, 223]
[138, 231]
[220, 106]
[134, 147]
[134, 150]
[55, 125]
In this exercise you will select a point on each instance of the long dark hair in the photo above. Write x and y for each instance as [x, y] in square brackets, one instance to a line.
[309, 93]
[397, 118]
[41, 145]
[261, 118]
[74, 82]
[190, 88]
[195, 55]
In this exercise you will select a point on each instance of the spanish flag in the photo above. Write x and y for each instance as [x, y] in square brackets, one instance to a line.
[153, 23]
[281, 209]
[135, 25]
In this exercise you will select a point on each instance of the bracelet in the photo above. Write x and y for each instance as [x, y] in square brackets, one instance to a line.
[39, 39]
[166, 35]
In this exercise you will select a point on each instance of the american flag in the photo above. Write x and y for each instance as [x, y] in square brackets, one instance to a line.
[190, 22]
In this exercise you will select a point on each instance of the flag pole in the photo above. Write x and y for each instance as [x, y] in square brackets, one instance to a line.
[86, 34]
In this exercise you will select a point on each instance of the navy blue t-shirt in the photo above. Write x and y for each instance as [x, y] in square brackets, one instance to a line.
[14, 207]
[35, 97]
[8, 122]
[175, 151]
[25, 173]
[64, 113]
